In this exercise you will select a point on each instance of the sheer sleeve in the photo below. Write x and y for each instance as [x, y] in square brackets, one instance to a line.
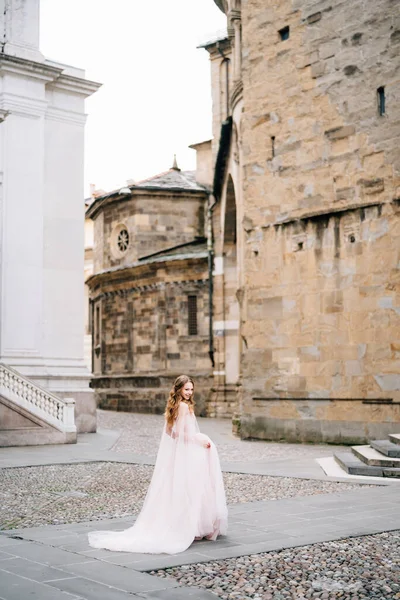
[185, 429]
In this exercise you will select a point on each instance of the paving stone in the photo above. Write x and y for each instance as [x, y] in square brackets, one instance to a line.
[13, 587]
[46, 555]
[7, 541]
[5, 555]
[117, 576]
[164, 561]
[85, 588]
[187, 593]
[33, 570]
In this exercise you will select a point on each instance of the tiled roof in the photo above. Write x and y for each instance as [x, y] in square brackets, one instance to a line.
[196, 247]
[172, 179]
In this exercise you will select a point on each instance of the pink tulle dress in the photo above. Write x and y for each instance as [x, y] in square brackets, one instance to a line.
[185, 499]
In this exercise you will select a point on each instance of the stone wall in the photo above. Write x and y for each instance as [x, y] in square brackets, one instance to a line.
[145, 342]
[333, 420]
[155, 220]
[320, 313]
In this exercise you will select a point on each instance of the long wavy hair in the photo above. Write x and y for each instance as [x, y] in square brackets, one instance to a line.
[174, 399]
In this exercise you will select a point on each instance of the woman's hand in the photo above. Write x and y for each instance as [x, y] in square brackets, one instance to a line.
[202, 440]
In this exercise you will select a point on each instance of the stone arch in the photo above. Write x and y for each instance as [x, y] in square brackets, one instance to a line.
[231, 304]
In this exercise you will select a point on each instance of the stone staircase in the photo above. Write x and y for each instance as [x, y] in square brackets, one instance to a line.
[380, 459]
[31, 415]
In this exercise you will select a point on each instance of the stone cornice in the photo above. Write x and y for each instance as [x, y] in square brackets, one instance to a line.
[50, 74]
[326, 213]
[222, 5]
[217, 49]
[83, 87]
[21, 66]
[160, 285]
[119, 275]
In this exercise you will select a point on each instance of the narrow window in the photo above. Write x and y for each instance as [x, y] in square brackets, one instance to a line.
[284, 33]
[273, 146]
[192, 315]
[97, 333]
[90, 317]
[381, 101]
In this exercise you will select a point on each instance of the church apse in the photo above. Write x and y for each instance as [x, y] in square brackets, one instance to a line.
[150, 293]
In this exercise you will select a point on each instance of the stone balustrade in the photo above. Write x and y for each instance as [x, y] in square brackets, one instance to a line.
[57, 412]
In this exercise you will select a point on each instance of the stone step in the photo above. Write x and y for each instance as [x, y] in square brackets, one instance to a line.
[354, 466]
[395, 438]
[385, 447]
[395, 473]
[373, 458]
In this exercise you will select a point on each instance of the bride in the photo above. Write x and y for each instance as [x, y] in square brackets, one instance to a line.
[186, 497]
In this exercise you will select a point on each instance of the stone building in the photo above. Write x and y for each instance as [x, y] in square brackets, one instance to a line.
[42, 118]
[149, 292]
[306, 218]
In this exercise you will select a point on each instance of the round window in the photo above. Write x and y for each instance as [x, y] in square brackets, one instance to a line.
[123, 240]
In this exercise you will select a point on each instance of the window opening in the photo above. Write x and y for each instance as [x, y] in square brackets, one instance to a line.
[284, 33]
[381, 101]
[273, 146]
[192, 315]
[97, 336]
[90, 316]
[123, 240]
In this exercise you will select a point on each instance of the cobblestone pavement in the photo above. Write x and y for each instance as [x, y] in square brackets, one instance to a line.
[351, 569]
[34, 496]
[230, 448]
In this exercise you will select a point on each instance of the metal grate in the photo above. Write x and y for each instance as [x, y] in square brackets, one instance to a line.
[192, 315]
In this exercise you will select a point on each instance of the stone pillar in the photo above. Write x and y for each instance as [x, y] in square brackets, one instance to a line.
[42, 212]
[237, 49]
[235, 33]
[19, 20]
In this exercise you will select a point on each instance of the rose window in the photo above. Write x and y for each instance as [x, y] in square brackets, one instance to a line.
[123, 240]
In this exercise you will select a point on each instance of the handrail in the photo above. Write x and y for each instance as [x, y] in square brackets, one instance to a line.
[58, 412]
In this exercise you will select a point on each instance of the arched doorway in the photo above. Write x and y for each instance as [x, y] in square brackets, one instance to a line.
[231, 304]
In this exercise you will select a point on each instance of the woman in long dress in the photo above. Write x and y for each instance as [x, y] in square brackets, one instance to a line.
[186, 497]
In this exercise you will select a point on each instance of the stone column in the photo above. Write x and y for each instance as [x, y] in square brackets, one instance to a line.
[42, 212]
[19, 20]
[237, 63]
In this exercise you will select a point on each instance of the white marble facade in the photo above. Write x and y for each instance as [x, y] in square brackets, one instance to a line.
[41, 212]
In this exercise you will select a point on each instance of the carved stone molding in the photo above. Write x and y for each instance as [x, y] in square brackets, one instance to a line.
[237, 93]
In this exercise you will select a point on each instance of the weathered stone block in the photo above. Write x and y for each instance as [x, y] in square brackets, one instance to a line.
[372, 186]
[340, 132]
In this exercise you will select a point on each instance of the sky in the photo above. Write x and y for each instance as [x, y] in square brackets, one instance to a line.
[156, 97]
